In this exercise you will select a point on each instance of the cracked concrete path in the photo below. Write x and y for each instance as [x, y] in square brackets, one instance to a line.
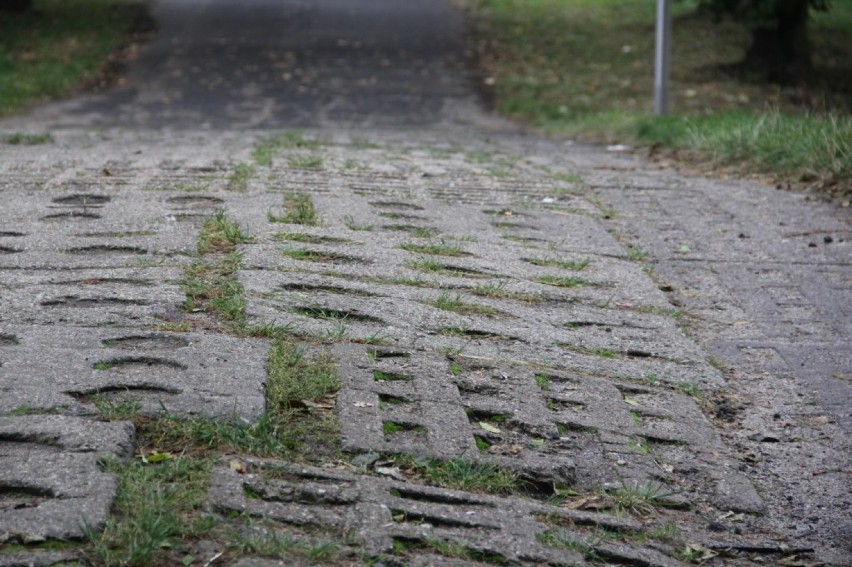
[598, 328]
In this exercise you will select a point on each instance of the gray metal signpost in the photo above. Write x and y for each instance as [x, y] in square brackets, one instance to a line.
[662, 59]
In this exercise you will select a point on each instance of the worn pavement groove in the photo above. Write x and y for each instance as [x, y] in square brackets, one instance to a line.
[595, 326]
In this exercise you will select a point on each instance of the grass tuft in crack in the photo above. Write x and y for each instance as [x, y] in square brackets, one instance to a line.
[298, 208]
[575, 265]
[462, 474]
[238, 180]
[218, 234]
[442, 248]
[157, 506]
[454, 302]
[266, 150]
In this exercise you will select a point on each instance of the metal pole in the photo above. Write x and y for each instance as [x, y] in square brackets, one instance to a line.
[663, 57]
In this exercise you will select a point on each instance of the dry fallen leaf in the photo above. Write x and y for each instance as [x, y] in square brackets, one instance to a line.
[698, 553]
[505, 449]
[237, 465]
[595, 502]
[488, 427]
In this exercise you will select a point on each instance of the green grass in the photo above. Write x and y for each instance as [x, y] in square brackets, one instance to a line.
[211, 284]
[497, 290]
[219, 234]
[157, 506]
[307, 255]
[807, 147]
[352, 224]
[575, 265]
[307, 238]
[463, 474]
[442, 248]
[454, 302]
[293, 377]
[298, 208]
[585, 67]
[563, 282]
[305, 162]
[560, 539]
[57, 46]
[239, 178]
[19, 139]
[265, 150]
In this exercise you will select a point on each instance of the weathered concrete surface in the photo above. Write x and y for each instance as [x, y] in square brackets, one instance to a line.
[601, 386]
[51, 483]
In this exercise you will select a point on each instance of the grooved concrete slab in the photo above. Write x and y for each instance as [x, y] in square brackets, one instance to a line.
[380, 512]
[51, 483]
[50, 367]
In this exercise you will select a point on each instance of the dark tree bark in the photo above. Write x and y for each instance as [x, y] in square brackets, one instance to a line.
[782, 49]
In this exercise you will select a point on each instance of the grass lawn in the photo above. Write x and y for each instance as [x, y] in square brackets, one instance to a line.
[60, 45]
[585, 68]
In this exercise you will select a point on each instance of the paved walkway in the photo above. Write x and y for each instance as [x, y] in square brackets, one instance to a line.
[642, 348]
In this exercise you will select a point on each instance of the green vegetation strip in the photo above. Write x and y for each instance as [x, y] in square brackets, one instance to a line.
[585, 67]
[58, 45]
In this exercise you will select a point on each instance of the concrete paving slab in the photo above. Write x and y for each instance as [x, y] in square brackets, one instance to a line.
[52, 484]
[45, 367]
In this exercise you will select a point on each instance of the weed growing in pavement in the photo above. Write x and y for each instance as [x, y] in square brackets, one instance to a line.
[542, 381]
[298, 208]
[265, 150]
[377, 339]
[265, 543]
[392, 428]
[445, 548]
[664, 532]
[305, 162]
[652, 379]
[426, 264]
[400, 280]
[690, 389]
[636, 253]
[293, 377]
[352, 224]
[308, 255]
[238, 180]
[717, 364]
[423, 232]
[575, 265]
[218, 234]
[462, 474]
[308, 238]
[454, 302]
[213, 286]
[560, 539]
[564, 282]
[641, 499]
[442, 248]
[19, 139]
[601, 352]
[497, 290]
[157, 505]
[116, 409]
[640, 445]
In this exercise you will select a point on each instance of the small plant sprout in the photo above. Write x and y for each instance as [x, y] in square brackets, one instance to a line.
[352, 224]
[298, 208]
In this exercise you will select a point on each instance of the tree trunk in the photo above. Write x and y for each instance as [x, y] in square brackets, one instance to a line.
[783, 51]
